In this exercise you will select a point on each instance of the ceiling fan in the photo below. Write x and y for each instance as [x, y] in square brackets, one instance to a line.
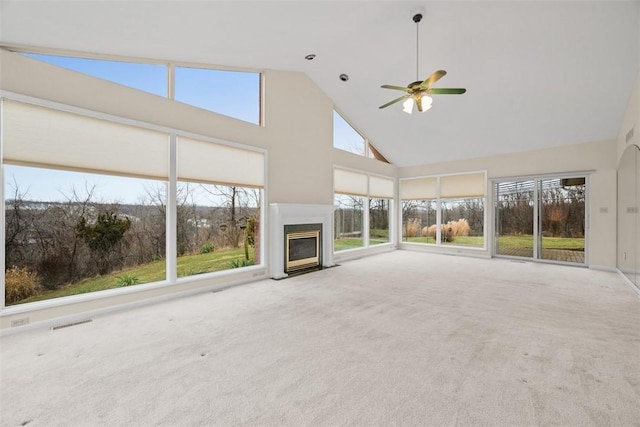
[418, 92]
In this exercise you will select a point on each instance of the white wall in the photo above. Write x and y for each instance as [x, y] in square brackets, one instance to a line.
[631, 120]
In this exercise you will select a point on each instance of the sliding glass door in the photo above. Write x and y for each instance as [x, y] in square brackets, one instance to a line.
[514, 218]
[561, 219]
[541, 219]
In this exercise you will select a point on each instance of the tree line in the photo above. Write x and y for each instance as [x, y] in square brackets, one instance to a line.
[82, 236]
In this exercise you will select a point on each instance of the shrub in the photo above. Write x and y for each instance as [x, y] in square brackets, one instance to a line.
[207, 247]
[240, 262]
[429, 231]
[127, 280]
[412, 228]
[460, 227]
[19, 283]
[446, 235]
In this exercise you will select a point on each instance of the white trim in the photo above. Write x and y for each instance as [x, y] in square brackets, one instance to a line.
[2, 211]
[571, 174]
[171, 218]
[629, 283]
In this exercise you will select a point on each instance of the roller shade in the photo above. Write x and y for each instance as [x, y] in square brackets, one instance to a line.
[347, 182]
[380, 187]
[39, 136]
[467, 185]
[418, 189]
[208, 162]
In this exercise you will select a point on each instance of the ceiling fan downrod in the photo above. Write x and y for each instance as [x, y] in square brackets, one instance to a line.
[417, 18]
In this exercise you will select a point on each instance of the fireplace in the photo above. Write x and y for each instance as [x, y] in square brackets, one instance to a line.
[289, 218]
[303, 247]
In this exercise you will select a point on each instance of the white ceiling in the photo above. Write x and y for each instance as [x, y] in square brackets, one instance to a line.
[538, 74]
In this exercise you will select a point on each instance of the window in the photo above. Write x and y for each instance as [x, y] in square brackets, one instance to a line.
[444, 210]
[232, 93]
[216, 227]
[354, 191]
[90, 223]
[150, 78]
[346, 138]
[349, 222]
[419, 221]
[217, 208]
[71, 232]
[84, 214]
[463, 222]
[378, 221]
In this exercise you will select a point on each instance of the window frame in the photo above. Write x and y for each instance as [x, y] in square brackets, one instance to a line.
[171, 279]
[439, 201]
[367, 196]
[368, 150]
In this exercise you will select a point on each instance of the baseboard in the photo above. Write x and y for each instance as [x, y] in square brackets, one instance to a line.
[89, 315]
[603, 268]
[629, 283]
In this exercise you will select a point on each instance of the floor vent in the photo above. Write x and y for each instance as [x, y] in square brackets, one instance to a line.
[81, 322]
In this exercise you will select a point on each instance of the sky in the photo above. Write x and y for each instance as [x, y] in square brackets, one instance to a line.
[225, 92]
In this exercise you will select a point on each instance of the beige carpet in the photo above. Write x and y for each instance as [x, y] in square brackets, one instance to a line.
[401, 338]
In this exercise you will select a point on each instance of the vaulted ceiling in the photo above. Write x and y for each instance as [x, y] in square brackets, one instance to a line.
[538, 74]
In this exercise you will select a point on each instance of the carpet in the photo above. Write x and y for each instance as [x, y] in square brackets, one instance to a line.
[401, 338]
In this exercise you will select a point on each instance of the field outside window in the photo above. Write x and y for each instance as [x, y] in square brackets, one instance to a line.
[378, 221]
[349, 222]
[419, 221]
[69, 233]
[217, 227]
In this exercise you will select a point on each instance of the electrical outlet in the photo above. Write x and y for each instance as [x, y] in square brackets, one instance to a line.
[19, 322]
[624, 256]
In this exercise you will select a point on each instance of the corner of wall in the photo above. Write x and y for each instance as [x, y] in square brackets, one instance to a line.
[630, 127]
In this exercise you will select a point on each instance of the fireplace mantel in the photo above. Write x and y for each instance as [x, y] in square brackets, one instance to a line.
[281, 214]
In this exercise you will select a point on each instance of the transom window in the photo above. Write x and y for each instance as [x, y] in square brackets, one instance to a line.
[231, 93]
[346, 138]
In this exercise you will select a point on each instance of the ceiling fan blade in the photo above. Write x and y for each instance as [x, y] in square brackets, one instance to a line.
[394, 101]
[445, 91]
[432, 79]
[395, 87]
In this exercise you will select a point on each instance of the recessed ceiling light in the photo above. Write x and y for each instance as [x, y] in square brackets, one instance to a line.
[310, 56]
[344, 77]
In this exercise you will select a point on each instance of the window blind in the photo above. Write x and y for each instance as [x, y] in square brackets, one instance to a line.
[380, 187]
[348, 182]
[208, 162]
[466, 185]
[39, 136]
[418, 188]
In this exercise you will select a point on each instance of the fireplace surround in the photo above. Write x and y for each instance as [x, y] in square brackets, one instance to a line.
[299, 218]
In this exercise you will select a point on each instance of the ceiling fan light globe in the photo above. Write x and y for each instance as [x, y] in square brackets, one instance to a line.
[407, 106]
[425, 103]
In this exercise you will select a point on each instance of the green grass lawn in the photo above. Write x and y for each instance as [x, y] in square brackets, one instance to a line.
[352, 243]
[519, 241]
[151, 272]
[526, 241]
